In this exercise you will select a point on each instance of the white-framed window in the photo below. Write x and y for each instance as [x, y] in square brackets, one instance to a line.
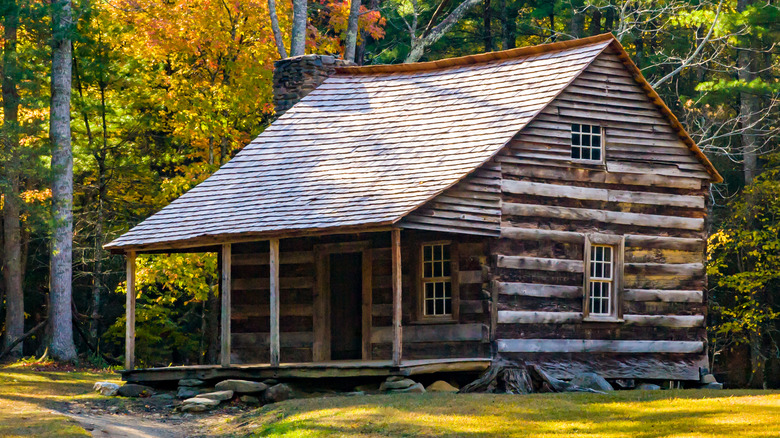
[587, 143]
[602, 276]
[436, 280]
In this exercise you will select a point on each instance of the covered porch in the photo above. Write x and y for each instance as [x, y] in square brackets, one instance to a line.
[283, 312]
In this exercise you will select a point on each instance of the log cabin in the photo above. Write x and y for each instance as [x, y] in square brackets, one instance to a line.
[540, 204]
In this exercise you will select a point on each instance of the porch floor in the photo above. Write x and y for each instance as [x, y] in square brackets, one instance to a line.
[305, 370]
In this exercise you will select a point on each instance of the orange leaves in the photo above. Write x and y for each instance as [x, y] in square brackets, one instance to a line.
[334, 17]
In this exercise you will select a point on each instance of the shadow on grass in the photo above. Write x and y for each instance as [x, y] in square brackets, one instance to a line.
[632, 414]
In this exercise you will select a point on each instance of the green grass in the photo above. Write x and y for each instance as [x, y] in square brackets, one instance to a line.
[629, 414]
[27, 397]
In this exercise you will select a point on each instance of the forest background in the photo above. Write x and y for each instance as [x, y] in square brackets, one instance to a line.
[165, 91]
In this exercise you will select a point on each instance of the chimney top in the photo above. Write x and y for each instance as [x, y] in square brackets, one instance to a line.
[296, 77]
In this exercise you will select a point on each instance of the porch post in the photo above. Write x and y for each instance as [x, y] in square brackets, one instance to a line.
[130, 313]
[273, 262]
[224, 354]
[396, 279]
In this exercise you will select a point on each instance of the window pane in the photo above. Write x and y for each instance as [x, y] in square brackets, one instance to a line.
[439, 290]
[428, 290]
[585, 128]
[575, 140]
[607, 253]
[439, 307]
[575, 127]
[446, 249]
[437, 269]
[586, 153]
[437, 252]
[595, 129]
[596, 155]
[447, 290]
[429, 307]
[427, 269]
[448, 307]
[446, 268]
[575, 153]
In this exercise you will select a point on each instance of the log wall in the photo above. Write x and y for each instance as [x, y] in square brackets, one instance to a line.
[467, 337]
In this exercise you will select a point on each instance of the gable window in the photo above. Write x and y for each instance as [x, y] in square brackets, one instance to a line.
[437, 300]
[603, 277]
[586, 142]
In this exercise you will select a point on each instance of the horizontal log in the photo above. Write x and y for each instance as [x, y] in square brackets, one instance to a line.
[525, 317]
[597, 176]
[539, 264]
[286, 258]
[511, 232]
[261, 340]
[674, 321]
[263, 283]
[637, 255]
[433, 333]
[249, 310]
[596, 194]
[539, 290]
[667, 296]
[596, 346]
[663, 242]
[680, 269]
[466, 306]
[605, 216]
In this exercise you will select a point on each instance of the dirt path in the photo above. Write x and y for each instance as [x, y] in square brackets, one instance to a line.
[145, 418]
[109, 425]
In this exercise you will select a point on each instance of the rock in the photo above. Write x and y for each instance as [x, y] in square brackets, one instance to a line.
[250, 399]
[198, 404]
[188, 392]
[270, 382]
[591, 381]
[441, 386]
[134, 390]
[354, 393]
[191, 382]
[241, 386]
[647, 387]
[106, 388]
[396, 384]
[277, 393]
[218, 395]
[395, 378]
[417, 388]
[713, 385]
[708, 378]
[164, 396]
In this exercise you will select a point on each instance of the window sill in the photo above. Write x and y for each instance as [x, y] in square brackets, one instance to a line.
[431, 321]
[612, 319]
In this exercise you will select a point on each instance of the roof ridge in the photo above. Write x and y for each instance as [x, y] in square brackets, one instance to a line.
[476, 59]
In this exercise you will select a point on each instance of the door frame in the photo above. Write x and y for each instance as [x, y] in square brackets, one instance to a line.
[321, 314]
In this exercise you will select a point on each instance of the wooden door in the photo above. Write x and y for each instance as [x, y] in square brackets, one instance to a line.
[346, 306]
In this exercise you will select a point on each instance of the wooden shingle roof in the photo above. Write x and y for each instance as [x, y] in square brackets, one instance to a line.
[368, 146]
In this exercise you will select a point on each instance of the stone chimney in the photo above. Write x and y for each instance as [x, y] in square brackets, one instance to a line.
[296, 77]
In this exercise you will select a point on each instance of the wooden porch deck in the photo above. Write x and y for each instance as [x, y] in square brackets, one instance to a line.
[307, 370]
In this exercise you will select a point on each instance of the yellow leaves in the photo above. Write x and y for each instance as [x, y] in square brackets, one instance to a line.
[32, 196]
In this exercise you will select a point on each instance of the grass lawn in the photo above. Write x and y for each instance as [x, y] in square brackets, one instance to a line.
[26, 397]
[629, 414]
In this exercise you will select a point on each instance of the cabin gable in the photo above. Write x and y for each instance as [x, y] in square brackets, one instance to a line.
[543, 213]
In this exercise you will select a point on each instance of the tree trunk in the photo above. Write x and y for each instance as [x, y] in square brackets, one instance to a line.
[352, 30]
[509, 24]
[577, 29]
[12, 244]
[275, 28]
[298, 40]
[487, 18]
[360, 56]
[748, 108]
[595, 22]
[609, 19]
[61, 345]
[420, 44]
